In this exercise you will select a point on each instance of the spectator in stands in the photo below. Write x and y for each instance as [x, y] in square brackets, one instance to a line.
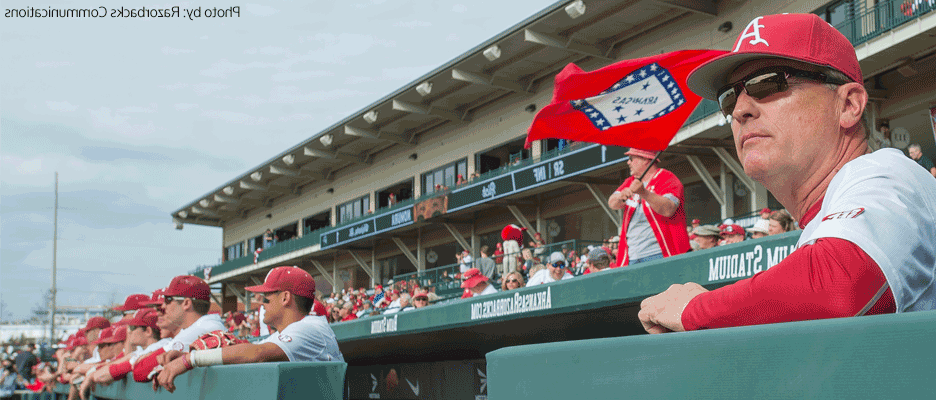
[288, 294]
[598, 260]
[614, 244]
[513, 280]
[486, 264]
[883, 139]
[477, 283]
[365, 309]
[733, 233]
[460, 180]
[345, 313]
[23, 363]
[760, 229]
[554, 271]
[405, 304]
[391, 199]
[10, 381]
[707, 236]
[765, 213]
[421, 299]
[185, 304]
[654, 219]
[464, 261]
[528, 260]
[798, 122]
[696, 223]
[780, 221]
[916, 154]
[499, 256]
[269, 239]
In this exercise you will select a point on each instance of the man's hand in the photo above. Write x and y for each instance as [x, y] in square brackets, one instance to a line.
[85, 387]
[663, 313]
[167, 376]
[102, 376]
[636, 187]
[167, 357]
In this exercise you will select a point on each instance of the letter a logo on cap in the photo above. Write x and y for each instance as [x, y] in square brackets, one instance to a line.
[755, 34]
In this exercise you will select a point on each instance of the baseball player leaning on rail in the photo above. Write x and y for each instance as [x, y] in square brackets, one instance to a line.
[287, 294]
[793, 89]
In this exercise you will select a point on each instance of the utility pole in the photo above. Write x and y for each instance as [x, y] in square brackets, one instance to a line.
[54, 254]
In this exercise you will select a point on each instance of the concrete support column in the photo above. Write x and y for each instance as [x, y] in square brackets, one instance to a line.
[727, 203]
[420, 251]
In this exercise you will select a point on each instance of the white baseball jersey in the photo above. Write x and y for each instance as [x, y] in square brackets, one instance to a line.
[149, 349]
[205, 324]
[309, 339]
[490, 289]
[885, 204]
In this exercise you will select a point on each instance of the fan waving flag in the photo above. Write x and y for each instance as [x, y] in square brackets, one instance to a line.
[638, 103]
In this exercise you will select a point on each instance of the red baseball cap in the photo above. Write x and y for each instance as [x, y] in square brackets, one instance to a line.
[97, 322]
[188, 286]
[155, 300]
[733, 229]
[472, 278]
[696, 221]
[133, 302]
[642, 153]
[119, 334]
[290, 279]
[123, 321]
[319, 309]
[105, 335]
[420, 294]
[799, 37]
[145, 317]
[766, 210]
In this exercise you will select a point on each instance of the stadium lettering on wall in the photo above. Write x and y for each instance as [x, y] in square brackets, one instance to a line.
[745, 262]
[517, 304]
[368, 227]
[384, 325]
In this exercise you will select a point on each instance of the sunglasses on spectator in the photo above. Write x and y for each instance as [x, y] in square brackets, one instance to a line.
[420, 299]
[766, 82]
[170, 299]
[513, 281]
[131, 328]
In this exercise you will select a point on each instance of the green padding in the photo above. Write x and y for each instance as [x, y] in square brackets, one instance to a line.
[630, 285]
[874, 357]
[282, 381]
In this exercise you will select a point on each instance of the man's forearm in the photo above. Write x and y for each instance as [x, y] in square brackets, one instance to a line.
[659, 204]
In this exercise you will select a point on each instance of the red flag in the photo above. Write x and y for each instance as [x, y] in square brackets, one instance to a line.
[638, 103]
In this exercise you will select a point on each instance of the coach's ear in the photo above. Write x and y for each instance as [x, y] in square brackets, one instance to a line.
[854, 100]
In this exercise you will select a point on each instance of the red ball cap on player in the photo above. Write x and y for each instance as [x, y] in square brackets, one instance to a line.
[133, 302]
[798, 37]
[118, 335]
[188, 286]
[144, 317]
[290, 279]
[105, 334]
[97, 323]
[472, 278]
[155, 300]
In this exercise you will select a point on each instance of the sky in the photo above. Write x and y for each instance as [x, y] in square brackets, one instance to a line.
[140, 116]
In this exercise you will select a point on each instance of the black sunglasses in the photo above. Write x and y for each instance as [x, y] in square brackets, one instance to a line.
[766, 82]
[170, 299]
[512, 281]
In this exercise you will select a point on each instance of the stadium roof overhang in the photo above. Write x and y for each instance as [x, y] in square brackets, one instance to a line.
[511, 65]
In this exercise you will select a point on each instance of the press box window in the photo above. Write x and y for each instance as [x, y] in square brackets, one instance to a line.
[444, 176]
[353, 209]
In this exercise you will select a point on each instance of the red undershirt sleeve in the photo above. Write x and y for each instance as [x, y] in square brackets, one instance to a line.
[828, 279]
[119, 371]
[146, 364]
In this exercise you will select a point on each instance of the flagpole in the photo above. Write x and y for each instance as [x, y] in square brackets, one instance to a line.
[657, 157]
[54, 254]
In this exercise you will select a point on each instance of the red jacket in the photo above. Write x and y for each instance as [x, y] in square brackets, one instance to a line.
[670, 232]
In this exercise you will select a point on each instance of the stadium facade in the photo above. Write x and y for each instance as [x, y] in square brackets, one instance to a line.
[328, 199]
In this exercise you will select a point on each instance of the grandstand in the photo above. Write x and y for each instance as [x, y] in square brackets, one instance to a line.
[328, 199]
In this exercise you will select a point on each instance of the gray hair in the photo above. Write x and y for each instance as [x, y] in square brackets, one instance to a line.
[915, 146]
[838, 75]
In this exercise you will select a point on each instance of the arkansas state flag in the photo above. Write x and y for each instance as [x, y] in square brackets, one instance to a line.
[638, 103]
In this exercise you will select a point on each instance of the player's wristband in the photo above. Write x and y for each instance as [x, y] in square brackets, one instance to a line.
[206, 358]
[186, 363]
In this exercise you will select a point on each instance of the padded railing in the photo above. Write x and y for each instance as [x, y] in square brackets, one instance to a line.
[873, 357]
[281, 381]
